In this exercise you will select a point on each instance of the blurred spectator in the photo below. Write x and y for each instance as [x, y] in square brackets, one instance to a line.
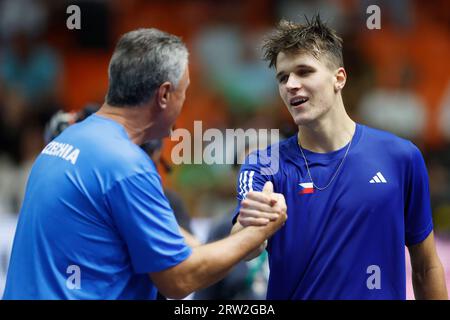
[7, 230]
[7, 190]
[439, 170]
[30, 73]
[29, 16]
[14, 175]
[395, 107]
[231, 64]
[439, 175]
[153, 149]
[31, 144]
[246, 281]
[297, 11]
[444, 118]
[61, 120]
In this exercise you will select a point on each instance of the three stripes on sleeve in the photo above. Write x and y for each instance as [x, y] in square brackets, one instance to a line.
[245, 183]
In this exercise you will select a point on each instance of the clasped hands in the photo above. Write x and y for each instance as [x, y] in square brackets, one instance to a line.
[261, 208]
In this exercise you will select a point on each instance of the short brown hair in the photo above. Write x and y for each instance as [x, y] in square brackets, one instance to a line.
[313, 37]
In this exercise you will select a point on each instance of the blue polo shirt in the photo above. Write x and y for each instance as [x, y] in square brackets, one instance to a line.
[94, 221]
[347, 241]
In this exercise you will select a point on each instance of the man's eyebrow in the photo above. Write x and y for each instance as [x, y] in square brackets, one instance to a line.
[304, 66]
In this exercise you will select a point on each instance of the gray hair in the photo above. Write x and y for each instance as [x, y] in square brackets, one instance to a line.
[143, 60]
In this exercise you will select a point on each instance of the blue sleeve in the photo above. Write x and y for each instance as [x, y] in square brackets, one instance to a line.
[147, 224]
[418, 218]
[252, 177]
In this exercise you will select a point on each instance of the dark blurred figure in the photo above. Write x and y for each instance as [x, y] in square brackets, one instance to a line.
[61, 120]
[153, 149]
[30, 74]
[246, 281]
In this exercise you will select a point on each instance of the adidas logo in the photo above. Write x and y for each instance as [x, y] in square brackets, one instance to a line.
[378, 178]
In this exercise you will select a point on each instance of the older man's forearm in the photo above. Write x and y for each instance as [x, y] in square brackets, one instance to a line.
[238, 227]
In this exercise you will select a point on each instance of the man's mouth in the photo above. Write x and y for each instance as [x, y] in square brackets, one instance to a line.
[296, 101]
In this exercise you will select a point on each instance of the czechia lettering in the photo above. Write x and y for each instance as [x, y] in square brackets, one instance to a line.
[62, 150]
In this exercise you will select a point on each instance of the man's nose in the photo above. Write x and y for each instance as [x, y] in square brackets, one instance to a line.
[293, 83]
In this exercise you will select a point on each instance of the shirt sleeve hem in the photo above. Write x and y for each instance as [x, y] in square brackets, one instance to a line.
[167, 263]
[418, 238]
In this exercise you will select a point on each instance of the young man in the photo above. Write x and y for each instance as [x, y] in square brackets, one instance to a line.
[95, 223]
[355, 195]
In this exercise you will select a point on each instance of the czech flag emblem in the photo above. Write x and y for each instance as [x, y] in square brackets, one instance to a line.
[307, 187]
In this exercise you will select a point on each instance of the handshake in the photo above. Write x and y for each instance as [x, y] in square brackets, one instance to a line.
[259, 208]
[265, 209]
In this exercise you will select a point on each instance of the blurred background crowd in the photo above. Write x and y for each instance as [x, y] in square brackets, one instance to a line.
[398, 80]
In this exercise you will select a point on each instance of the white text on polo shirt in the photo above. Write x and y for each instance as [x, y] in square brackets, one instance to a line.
[62, 150]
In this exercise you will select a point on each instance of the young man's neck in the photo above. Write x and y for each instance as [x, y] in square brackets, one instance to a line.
[332, 132]
[135, 120]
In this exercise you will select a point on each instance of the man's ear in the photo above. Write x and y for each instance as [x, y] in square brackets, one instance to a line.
[341, 78]
[163, 94]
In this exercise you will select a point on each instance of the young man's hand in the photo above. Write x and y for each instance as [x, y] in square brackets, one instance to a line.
[259, 208]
